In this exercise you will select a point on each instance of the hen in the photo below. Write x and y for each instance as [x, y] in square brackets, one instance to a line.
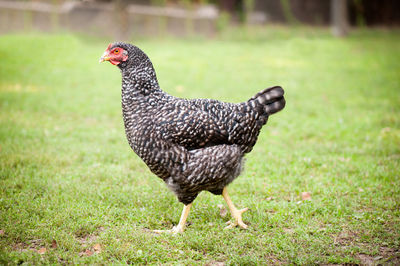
[193, 145]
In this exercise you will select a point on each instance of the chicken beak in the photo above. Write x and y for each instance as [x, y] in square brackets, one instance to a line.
[104, 57]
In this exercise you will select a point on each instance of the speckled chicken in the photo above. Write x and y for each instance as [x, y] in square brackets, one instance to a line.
[193, 145]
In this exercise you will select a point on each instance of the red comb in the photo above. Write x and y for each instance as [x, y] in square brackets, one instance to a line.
[109, 46]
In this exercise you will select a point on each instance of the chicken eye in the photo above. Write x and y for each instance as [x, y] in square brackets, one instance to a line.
[116, 51]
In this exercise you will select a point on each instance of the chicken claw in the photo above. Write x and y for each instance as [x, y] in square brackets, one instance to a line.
[237, 215]
[175, 230]
[182, 222]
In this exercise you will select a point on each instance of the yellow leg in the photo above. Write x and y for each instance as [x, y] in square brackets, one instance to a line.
[236, 214]
[182, 222]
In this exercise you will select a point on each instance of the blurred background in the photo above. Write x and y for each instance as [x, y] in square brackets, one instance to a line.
[127, 18]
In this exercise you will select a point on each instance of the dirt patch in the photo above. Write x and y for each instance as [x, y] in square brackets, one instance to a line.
[366, 259]
[389, 256]
[89, 243]
[88, 239]
[84, 240]
[344, 238]
[386, 255]
[215, 263]
[35, 245]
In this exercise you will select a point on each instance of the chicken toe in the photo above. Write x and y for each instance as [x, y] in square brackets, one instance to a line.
[182, 222]
[237, 215]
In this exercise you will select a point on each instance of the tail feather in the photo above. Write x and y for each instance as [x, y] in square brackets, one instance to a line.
[268, 101]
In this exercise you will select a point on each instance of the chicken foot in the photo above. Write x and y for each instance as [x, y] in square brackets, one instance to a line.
[236, 214]
[182, 222]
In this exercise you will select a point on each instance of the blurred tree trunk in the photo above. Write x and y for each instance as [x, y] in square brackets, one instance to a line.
[248, 7]
[227, 5]
[28, 19]
[234, 8]
[122, 18]
[339, 18]
[55, 18]
[287, 12]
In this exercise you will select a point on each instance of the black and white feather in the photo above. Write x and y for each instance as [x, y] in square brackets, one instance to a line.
[193, 145]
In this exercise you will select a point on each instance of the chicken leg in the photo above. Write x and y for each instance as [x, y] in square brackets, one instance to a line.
[236, 214]
[182, 222]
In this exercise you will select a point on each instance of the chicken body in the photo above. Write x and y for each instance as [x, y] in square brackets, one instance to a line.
[193, 145]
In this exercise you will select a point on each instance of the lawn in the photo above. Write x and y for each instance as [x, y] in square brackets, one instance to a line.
[72, 191]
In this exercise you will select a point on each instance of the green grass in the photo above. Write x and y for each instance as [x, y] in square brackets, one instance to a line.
[69, 181]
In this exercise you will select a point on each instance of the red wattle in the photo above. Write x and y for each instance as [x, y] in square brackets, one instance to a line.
[114, 62]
